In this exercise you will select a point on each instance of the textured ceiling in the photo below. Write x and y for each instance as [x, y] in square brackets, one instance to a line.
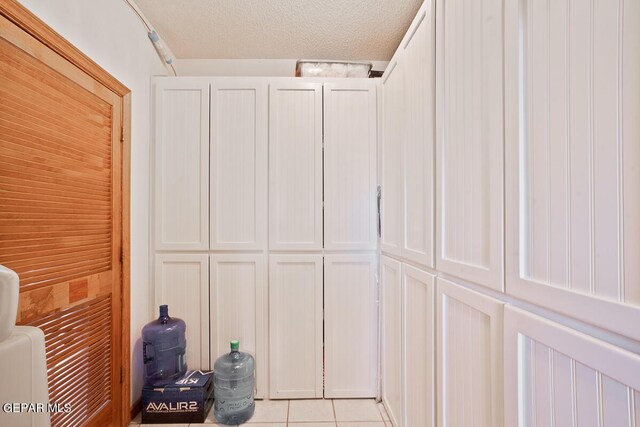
[281, 29]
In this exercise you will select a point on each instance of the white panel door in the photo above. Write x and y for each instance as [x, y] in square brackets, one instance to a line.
[238, 309]
[418, 361]
[295, 166]
[239, 143]
[469, 357]
[295, 326]
[419, 140]
[350, 170]
[391, 174]
[181, 169]
[573, 181]
[555, 375]
[350, 325]
[182, 282]
[469, 140]
[391, 296]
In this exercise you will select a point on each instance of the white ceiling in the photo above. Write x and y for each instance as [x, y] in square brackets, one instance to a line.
[281, 29]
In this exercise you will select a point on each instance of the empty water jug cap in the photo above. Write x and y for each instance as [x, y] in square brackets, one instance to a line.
[235, 345]
[164, 310]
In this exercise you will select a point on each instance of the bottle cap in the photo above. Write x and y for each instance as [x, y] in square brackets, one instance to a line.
[164, 310]
[235, 345]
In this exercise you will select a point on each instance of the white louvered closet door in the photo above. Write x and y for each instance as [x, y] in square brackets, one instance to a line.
[350, 169]
[573, 181]
[238, 307]
[469, 140]
[391, 146]
[391, 348]
[350, 325]
[295, 326]
[469, 357]
[181, 164]
[418, 347]
[419, 149]
[555, 375]
[182, 282]
[238, 164]
[295, 166]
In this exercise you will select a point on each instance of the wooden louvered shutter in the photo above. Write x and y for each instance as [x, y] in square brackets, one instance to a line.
[61, 220]
[78, 358]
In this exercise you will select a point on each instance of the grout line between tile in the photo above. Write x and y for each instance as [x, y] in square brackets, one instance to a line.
[288, 410]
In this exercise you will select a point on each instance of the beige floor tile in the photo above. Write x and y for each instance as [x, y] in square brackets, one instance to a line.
[138, 419]
[356, 410]
[209, 422]
[250, 424]
[316, 410]
[383, 411]
[311, 425]
[211, 419]
[270, 411]
[362, 424]
[165, 425]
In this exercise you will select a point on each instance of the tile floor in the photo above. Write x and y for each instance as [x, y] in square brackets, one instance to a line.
[309, 413]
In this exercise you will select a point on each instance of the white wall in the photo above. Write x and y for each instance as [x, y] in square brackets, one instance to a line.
[114, 37]
[244, 67]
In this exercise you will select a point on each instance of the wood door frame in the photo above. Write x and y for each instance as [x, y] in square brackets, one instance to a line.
[36, 28]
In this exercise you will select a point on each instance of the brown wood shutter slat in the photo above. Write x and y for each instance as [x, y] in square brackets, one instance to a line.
[75, 177]
[78, 346]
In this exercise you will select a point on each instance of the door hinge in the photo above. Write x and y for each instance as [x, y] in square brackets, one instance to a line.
[121, 255]
[121, 133]
[121, 375]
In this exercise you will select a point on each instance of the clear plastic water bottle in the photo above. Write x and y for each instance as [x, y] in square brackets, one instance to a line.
[233, 385]
[163, 347]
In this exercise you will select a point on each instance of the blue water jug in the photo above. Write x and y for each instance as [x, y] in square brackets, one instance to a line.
[163, 347]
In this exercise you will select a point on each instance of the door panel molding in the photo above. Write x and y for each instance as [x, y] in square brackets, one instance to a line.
[295, 326]
[572, 181]
[418, 346]
[295, 167]
[238, 164]
[350, 325]
[587, 378]
[181, 166]
[182, 282]
[243, 280]
[350, 140]
[419, 168]
[391, 149]
[470, 141]
[469, 357]
[391, 334]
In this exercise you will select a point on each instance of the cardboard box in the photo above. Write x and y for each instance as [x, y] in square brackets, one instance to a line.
[187, 400]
